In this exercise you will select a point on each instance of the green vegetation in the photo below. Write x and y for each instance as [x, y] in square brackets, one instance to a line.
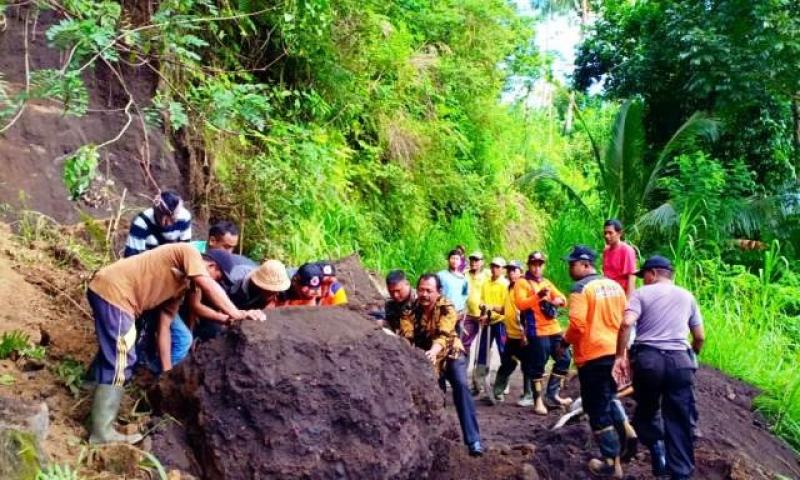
[16, 344]
[57, 472]
[71, 373]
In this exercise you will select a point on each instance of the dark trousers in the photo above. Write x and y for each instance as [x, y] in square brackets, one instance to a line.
[496, 334]
[514, 350]
[663, 382]
[544, 348]
[455, 372]
[598, 391]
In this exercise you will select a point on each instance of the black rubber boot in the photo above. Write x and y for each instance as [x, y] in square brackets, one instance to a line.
[658, 459]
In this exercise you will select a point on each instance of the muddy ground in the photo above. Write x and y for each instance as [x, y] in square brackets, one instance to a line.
[44, 298]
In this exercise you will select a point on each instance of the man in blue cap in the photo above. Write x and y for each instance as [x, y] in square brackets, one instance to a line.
[664, 366]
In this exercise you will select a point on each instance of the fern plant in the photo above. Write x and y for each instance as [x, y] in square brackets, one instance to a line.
[80, 169]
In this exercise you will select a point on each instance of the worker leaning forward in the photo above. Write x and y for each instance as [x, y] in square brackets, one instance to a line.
[431, 326]
[538, 299]
[595, 315]
[663, 367]
[123, 291]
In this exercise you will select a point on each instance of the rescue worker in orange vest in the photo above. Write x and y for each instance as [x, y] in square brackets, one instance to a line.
[537, 300]
[596, 306]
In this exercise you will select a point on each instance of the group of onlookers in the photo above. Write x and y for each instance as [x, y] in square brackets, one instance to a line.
[150, 307]
[518, 312]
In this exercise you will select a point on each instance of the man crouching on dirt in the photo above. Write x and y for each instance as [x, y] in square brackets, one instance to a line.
[596, 305]
[431, 326]
[121, 292]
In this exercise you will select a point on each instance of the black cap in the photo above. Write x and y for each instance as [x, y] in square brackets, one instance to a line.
[537, 257]
[328, 269]
[655, 262]
[581, 253]
[222, 258]
[309, 275]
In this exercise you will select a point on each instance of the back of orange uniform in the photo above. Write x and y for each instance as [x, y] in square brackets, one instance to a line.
[595, 315]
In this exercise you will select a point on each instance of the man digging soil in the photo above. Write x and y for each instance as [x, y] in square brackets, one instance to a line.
[122, 292]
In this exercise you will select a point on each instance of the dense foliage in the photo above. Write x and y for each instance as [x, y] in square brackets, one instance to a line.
[736, 59]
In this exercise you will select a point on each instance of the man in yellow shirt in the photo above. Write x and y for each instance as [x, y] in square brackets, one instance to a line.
[516, 349]
[476, 276]
[493, 299]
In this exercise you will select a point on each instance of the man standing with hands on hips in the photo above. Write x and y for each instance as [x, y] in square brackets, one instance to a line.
[662, 366]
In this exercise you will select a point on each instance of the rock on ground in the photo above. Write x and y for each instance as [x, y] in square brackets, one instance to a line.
[23, 428]
[310, 393]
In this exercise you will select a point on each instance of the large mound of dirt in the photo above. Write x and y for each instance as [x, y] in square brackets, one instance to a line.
[310, 393]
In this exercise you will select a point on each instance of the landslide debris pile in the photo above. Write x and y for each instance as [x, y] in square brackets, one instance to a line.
[310, 393]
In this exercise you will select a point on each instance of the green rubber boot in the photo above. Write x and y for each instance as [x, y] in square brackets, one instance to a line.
[526, 400]
[105, 407]
[500, 384]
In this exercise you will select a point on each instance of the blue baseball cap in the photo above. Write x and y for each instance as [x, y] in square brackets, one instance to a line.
[223, 259]
[653, 263]
[581, 253]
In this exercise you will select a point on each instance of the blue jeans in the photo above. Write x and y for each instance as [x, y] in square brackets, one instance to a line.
[455, 372]
[497, 334]
[544, 348]
[181, 341]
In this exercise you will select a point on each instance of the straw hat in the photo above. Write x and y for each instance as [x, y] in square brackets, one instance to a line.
[271, 276]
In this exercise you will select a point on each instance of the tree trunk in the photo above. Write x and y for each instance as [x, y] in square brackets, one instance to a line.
[796, 133]
[568, 117]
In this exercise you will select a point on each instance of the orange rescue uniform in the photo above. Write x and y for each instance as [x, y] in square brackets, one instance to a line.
[526, 293]
[595, 315]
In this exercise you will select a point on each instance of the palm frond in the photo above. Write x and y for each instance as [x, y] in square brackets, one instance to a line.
[595, 147]
[624, 159]
[533, 176]
[698, 126]
[663, 218]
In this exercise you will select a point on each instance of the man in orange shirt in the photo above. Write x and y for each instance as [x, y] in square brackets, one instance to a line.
[538, 299]
[306, 287]
[595, 316]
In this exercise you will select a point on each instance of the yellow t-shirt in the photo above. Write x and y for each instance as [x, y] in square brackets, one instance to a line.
[513, 328]
[145, 281]
[493, 294]
[475, 283]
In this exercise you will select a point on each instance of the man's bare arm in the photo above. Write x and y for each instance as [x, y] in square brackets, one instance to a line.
[698, 338]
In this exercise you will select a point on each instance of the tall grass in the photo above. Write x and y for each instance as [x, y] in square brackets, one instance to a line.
[752, 333]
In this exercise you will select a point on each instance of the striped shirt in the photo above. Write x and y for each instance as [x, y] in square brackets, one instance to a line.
[145, 233]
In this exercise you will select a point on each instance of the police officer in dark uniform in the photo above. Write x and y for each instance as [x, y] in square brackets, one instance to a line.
[662, 366]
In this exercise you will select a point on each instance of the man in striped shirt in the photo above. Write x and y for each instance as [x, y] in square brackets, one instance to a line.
[166, 222]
